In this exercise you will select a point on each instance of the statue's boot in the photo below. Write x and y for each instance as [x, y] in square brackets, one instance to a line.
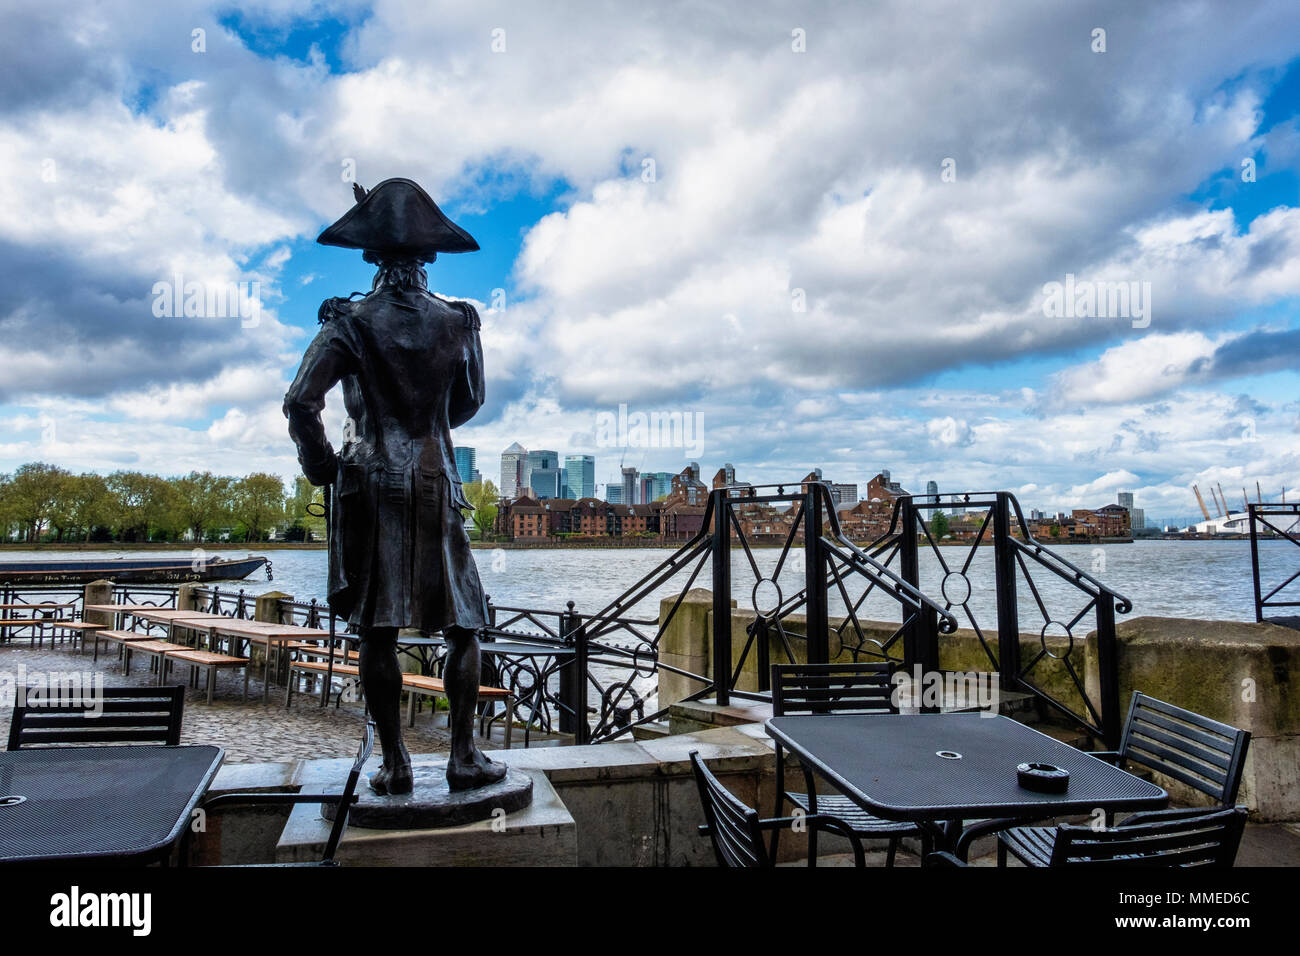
[476, 772]
[394, 776]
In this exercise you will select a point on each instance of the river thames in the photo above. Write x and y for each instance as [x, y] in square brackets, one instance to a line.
[1195, 579]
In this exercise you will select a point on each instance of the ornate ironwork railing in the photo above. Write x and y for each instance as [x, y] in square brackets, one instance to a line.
[1271, 519]
[616, 649]
[1052, 672]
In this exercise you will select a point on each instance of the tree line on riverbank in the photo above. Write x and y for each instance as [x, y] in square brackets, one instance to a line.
[40, 502]
[43, 503]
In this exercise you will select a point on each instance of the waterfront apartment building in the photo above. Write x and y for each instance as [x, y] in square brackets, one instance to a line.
[512, 471]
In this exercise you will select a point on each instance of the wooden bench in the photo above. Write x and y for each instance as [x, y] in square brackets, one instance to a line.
[118, 637]
[153, 649]
[210, 661]
[78, 628]
[419, 685]
[318, 667]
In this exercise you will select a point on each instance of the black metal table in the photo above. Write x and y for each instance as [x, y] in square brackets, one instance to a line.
[939, 770]
[120, 804]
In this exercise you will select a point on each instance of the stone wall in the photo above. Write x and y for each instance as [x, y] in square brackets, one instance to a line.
[687, 644]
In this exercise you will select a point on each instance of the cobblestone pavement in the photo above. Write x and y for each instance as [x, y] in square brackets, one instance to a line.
[249, 732]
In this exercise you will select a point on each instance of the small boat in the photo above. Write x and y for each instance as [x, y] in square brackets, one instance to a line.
[133, 571]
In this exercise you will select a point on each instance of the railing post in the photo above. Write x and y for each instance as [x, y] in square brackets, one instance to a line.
[818, 637]
[1254, 564]
[1108, 670]
[569, 682]
[921, 635]
[721, 597]
[573, 679]
[1004, 558]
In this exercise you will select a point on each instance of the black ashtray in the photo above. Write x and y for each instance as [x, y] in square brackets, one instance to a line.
[1043, 777]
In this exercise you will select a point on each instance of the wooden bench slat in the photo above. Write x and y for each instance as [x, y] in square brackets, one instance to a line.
[207, 658]
[436, 685]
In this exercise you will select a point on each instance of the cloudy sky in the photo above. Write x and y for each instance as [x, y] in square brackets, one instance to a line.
[829, 234]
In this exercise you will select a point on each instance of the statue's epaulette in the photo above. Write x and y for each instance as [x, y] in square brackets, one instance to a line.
[335, 307]
[471, 314]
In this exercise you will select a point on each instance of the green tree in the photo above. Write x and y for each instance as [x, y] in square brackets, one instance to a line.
[483, 497]
[304, 494]
[137, 502]
[33, 494]
[939, 526]
[202, 501]
[84, 503]
[258, 504]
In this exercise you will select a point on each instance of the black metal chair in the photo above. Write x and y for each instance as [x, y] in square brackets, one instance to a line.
[344, 800]
[863, 687]
[125, 715]
[1161, 838]
[1204, 754]
[737, 831]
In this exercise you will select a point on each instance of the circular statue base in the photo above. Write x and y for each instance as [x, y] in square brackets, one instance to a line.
[432, 804]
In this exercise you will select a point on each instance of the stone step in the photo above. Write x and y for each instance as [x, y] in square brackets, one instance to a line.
[651, 730]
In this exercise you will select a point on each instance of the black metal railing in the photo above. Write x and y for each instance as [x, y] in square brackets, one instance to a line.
[1052, 672]
[1274, 520]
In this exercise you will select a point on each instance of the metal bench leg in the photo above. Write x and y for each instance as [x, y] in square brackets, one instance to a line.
[212, 682]
[510, 719]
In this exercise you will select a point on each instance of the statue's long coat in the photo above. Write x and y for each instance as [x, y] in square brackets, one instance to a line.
[411, 365]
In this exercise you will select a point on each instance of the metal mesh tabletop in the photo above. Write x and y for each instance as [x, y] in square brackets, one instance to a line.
[890, 765]
[99, 802]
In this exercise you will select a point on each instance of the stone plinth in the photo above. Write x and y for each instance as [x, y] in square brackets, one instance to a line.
[540, 834]
[432, 804]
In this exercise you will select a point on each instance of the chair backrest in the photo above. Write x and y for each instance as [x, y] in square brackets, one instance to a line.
[733, 826]
[1204, 754]
[1207, 838]
[107, 715]
[349, 792]
[850, 688]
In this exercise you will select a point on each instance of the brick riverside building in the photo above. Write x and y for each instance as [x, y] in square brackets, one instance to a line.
[680, 515]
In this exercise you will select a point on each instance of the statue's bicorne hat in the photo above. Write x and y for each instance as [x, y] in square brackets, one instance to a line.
[397, 219]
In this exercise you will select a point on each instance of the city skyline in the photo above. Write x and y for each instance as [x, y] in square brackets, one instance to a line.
[840, 490]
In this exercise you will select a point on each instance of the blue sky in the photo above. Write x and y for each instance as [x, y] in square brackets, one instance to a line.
[818, 176]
